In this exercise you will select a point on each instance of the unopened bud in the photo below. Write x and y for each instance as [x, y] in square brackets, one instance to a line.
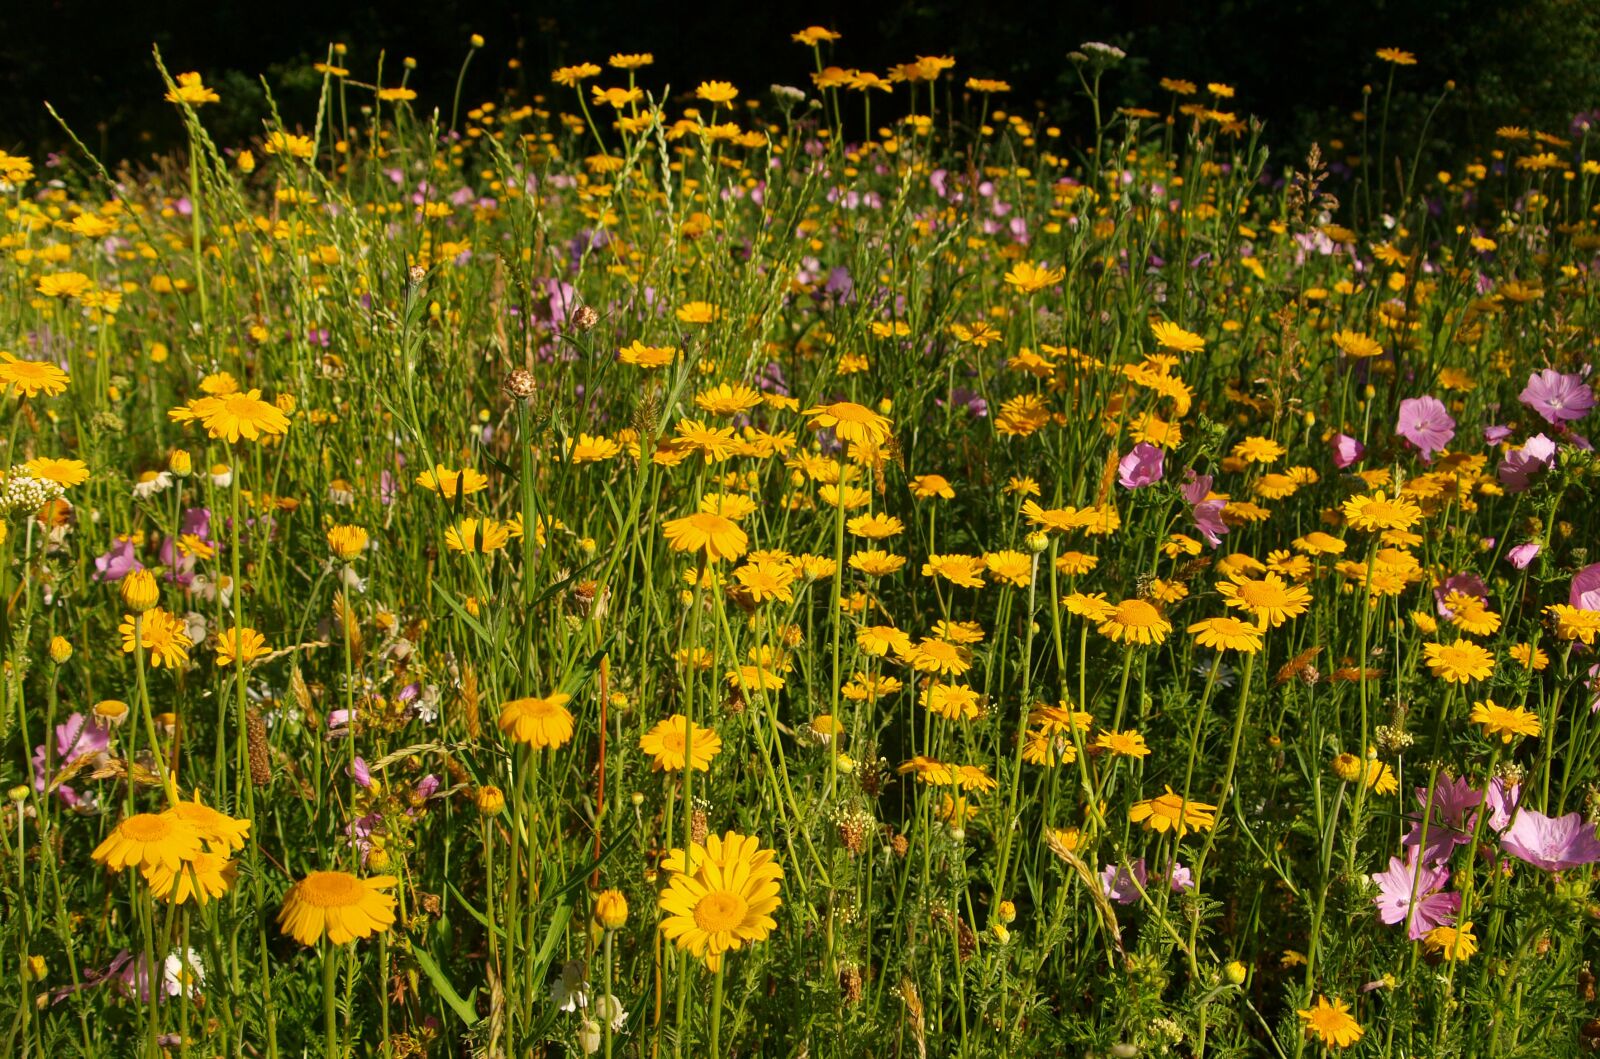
[140, 591]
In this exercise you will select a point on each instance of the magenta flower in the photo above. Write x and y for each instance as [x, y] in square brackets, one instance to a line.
[1585, 591]
[1496, 433]
[1426, 423]
[1558, 397]
[1122, 885]
[1502, 802]
[1523, 554]
[1347, 450]
[1468, 584]
[1519, 465]
[1141, 467]
[118, 562]
[1449, 814]
[1207, 514]
[1551, 843]
[1414, 897]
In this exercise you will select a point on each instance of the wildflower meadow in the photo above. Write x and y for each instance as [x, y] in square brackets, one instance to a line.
[844, 568]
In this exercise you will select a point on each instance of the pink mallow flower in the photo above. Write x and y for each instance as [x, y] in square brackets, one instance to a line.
[1123, 885]
[1521, 555]
[1585, 591]
[1551, 843]
[1558, 397]
[1415, 897]
[1206, 512]
[1519, 465]
[1450, 811]
[1426, 423]
[1141, 467]
[1347, 450]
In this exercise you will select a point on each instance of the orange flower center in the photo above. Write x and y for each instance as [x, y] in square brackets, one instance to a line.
[720, 910]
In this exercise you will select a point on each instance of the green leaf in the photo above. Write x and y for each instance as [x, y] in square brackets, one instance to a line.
[463, 1008]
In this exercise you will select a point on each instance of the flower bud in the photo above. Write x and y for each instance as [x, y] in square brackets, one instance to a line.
[1005, 912]
[520, 384]
[60, 650]
[140, 591]
[180, 463]
[611, 909]
[491, 800]
[1235, 972]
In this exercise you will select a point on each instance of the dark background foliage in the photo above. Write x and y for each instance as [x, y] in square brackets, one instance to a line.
[1300, 64]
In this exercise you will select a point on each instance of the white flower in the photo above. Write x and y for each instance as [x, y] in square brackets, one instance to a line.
[208, 590]
[152, 482]
[195, 626]
[569, 990]
[610, 1007]
[1104, 53]
[222, 476]
[23, 492]
[183, 973]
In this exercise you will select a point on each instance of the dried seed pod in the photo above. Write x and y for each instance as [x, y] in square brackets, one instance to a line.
[260, 751]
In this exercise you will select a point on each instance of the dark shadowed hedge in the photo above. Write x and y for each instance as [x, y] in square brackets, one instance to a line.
[1295, 62]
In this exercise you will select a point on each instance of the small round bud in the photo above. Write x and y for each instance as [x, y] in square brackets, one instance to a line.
[180, 463]
[60, 650]
[19, 793]
[491, 800]
[1005, 912]
[637, 798]
[409, 63]
[1038, 541]
[1235, 972]
[1001, 933]
[520, 384]
[378, 858]
[611, 909]
[476, 40]
[140, 591]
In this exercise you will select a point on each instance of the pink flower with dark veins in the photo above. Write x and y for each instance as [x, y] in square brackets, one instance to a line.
[1552, 843]
[1415, 896]
[1558, 397]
